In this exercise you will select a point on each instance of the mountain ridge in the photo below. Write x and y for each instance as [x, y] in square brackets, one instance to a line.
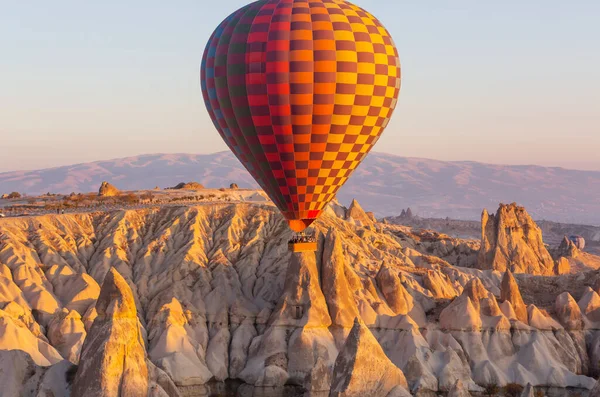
[384, 183]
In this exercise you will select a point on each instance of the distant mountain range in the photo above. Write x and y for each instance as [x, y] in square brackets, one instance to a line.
[384, 183]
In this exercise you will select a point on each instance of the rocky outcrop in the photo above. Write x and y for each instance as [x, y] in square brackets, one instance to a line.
[528, 391]
[562, 266]
[220, 297]
[362, 368]
[510, 239]
[589, 304]
[459, 390]
[567, 249]
[339, 298]
[475, 309]
[510, 292]
[356, 214]
[568, 312]
[108, 190]
[188, 186]
[21, 376]
[178, 344]
[595, 392]
[113, 358]
[233, 186]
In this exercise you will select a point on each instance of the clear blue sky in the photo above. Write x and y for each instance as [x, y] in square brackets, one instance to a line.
[504, 82]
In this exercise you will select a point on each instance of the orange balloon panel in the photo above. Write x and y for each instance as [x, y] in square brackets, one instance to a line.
[300, 90]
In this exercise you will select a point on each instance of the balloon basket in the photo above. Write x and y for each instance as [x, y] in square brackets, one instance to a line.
[302, 243]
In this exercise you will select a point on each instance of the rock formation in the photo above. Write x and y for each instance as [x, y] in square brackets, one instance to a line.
[595, 392]
[113, 358]
[233, 186]
[339, 297]
[108, 190]
[511, 240]
[356, 214]
[568, 312]
[188, 186]
[562, 266]
[510, 292]
[528, 391]
[567, 249]
[459, 390]
[212, 293]
[20, 376]
[362, 368]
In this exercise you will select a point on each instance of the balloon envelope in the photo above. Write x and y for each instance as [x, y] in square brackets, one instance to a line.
[300, 91]
[578, 241]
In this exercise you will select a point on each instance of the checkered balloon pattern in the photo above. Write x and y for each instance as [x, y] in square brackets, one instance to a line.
[300, 90]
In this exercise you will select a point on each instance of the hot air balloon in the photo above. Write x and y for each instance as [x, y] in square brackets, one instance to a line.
[578, 241]
[300, 91]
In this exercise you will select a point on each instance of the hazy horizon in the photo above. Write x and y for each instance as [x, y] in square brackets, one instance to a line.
[508, 83]
[109, 159]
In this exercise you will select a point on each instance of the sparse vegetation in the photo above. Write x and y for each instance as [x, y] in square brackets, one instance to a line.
[512, 390]
[14, 195]
[491, 389]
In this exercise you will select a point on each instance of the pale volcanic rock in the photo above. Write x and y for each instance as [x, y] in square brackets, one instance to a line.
[240, 343]
[89, 317]
[113, 358]
[510, 239]
[461, 314]
[217, 351]
[589, 304]
[339, 298]
[474, 309]
[439, 284]
[176, 346]
[362, 368]
[595, 392]
[528, 391]
[23, 317]
[540, 321]
[397, 296]
[302, 303]
[357, 215]
[568, 312]
[459, 390]
[298, 327]
[75, 291]
[108, 190]
[209, 283]
[20, 376]
[509, 311]
[36, 289]
[67, 333]
[510, 292]
[15, 334]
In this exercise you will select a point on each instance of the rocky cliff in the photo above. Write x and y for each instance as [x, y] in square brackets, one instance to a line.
[211, 293]
[510, 239]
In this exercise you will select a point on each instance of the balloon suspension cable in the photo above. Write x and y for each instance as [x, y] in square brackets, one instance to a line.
[303, 242]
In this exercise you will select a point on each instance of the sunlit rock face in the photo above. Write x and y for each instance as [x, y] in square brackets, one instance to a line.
[211, 293]
[362, 368]
[510, 239]
[113, 358]
[108, 190]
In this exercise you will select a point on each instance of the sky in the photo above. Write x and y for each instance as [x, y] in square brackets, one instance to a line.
[512, 82]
